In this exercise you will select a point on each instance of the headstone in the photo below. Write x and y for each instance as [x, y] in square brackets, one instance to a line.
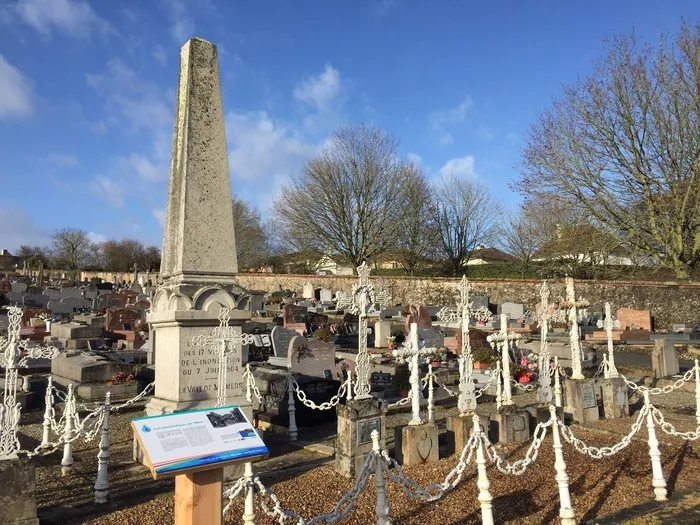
[479, 301]
[280, 340]
[431, 337]
[513, 310]
[59, 307]
[615, 400]
[308, 291]
[510, 425]
[356, 421]
[19, 287]
[678, 328]
[664, 359]
[326, 295]
[382, 331]
[312, 358]
[388, 313]
[631, 319]
[380, 381]
[580, 400]
[18, 496]
[293, 314]
[416, 444]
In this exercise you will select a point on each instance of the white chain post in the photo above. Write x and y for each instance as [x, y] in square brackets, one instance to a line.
[248, 391]
[658, 481]
[499, 395]
[291, 408]
[249, 509]
[102, 483]
[557, 383]
[483, 483]
[697, 396]
[349, 383]
[431, 399]
[48, 400]
[566, 510]
[68, 412]
[382, 508]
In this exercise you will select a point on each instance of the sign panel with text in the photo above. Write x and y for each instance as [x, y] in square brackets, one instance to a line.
[196, 439]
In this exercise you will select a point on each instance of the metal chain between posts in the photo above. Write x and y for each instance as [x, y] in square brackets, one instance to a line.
[656, 390]
[232, 492]
[434, 491]
[267, 400]
[600, 452]
[519, 467]
[670, 429]
[327, 405]
[147, 390]
[527, 388]
[406, 400]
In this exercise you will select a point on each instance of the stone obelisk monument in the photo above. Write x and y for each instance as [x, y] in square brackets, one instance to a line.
[198, 267]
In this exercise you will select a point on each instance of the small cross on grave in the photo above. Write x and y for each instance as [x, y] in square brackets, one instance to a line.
[226, 341]
[544, 388]
[412, 353]
[462, 314]
[15, 354]
[361, 302]
[504, 341]
[610, 323]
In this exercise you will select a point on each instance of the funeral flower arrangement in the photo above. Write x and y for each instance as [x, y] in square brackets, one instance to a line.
[527, 371]
[120, 378]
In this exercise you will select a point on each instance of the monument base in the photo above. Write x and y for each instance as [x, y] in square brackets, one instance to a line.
[615, 400]
[356, 421]
[510, 424]
[416, 444]
[580, 400]
[18, 495]
[460, 428]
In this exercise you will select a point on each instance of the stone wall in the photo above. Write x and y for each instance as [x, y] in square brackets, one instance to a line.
[668, 302]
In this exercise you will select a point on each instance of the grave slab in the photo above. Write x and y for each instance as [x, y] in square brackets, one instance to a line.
[459, 430]
[356, 421]
[18, 494]
[416, 444]
[510, 425]
[664, 359]
[382, 331]
[615, 398]
[580, 400]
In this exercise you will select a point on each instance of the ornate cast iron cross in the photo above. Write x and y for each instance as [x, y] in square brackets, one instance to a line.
[610, 323]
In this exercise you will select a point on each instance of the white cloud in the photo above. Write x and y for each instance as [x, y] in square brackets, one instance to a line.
[440, 120]
[147, 170]
[97, 237]
[461, 167]
[15, 92]
[320, 91]
[72, 17]
[264, 152]
[63, 159]
[159, 55]
[181, 21]
[107, 188]
[484, 133]
[381, 8]
[159, 214]
[512, 136]
[414, 157]
[18, 228]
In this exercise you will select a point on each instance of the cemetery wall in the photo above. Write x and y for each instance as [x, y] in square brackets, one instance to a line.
[668, 302]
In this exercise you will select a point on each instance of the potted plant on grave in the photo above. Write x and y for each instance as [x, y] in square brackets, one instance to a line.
[401, 381]
[439, 355]
[391, 342]
[120, 378]
[483, 358]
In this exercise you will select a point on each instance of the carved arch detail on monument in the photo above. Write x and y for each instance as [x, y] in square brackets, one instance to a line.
[179, 302]
[212, 298]
[160, 300]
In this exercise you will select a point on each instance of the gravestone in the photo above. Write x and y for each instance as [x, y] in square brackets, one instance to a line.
[19, 287]
[293, 314]
[678, 328]
[308, 291]
[615, 399]
[59, 307]
[431, 337]
[580, 400]
[356, 421]
[388, 313]
[382, 331]
[664, 359]
[513, 310]
[90, 374]
[631, 319]
[316, 360]
[18, 495]
[380, 381]
[479, 301]
[280, 338]
[36, 299]
[326, 295]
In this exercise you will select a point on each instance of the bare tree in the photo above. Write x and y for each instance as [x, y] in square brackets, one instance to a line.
[416, 238]
[251, 236]
[464, 216]
[73, 249]
[120, 256]
[520, 236]
[150, 258]
[623, 146]
[349, 199]
[35, 255]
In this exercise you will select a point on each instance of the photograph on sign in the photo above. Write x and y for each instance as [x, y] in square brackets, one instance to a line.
[195, 438]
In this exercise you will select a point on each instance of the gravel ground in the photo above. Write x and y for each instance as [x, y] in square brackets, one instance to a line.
[307, 484]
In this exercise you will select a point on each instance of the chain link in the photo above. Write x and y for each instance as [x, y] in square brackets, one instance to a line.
[327, 405]
[670, 429]
[600, 452]
[656, 390]
[519, 467]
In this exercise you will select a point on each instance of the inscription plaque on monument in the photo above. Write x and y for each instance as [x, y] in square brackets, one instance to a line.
[199, 373]
[365, 428]
[588, 399]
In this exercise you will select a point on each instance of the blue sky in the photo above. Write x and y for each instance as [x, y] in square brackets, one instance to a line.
[87, 92]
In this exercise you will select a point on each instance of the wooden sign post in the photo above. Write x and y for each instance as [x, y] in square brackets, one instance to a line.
[195, 446]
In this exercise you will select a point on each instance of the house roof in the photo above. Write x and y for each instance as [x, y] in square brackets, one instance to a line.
[492, 255]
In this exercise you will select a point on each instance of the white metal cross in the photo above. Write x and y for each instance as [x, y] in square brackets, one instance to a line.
[504, 340]
[572, 304]
[361, 301]
[412, 353]
[609, 324]
[544, 388]
[462, 314]
[15, 354]
[225, 340]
